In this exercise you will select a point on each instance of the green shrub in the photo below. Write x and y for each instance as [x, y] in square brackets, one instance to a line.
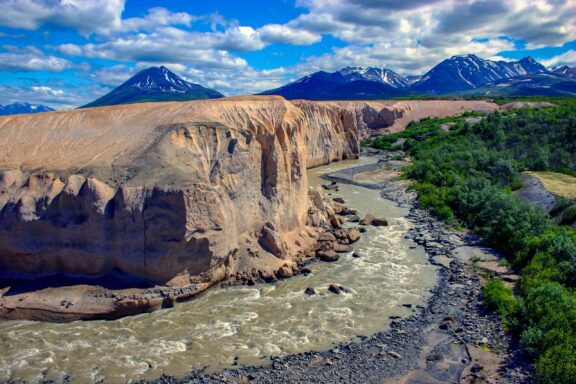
[569, 215]
[557, 365]
[498, 297]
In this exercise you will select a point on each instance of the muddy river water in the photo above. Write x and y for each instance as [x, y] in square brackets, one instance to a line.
[249, 324]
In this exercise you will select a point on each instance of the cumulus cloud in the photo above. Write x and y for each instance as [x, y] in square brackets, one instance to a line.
[155, 18]
[284, 34]
[86, 17]
[31, 59]
[411, 36]
[567, 58]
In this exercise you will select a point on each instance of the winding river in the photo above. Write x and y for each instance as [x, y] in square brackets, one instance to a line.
[248, 324]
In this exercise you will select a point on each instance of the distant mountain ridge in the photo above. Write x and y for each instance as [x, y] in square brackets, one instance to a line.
[20, 108]
[155, 84]
[464, 74]
[461, 73]
[349, 82]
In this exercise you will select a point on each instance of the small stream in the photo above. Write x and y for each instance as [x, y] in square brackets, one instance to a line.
[248, 324]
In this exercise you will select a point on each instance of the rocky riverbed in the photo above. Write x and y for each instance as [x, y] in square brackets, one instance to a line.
[450, 339]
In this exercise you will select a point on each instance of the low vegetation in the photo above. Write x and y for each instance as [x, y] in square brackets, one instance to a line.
[467, 176]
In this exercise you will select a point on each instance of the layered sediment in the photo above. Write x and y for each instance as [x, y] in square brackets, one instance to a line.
[180, 194]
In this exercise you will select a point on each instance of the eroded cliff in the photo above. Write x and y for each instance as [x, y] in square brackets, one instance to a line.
[176, 193]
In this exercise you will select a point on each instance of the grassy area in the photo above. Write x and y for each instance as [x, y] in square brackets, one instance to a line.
[557, 183]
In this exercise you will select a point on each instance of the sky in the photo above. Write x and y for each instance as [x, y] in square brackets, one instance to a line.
[66, 53]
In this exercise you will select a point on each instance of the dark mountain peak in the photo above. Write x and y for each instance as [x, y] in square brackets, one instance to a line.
[155, 84]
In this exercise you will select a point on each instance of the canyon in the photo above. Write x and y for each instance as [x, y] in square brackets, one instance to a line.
[181, 195]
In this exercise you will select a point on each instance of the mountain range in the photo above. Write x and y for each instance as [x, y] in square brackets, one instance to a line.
[155, 84]
[459, 75]
[464, 75]
[18, 108]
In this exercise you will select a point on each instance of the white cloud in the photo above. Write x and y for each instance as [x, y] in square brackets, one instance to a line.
[86, 17]
[47, 91]
[284, 34]
[157, 17]
[567, 58]
[31, 59]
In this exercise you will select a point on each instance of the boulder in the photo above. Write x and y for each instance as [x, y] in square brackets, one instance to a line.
[379, 222]
[327, 236]
[284, 272]
[328, 256]
[271, 241]
[335, 288]
[353, 219]
[367, 220]
[310, 291]
[341, 248]
[353, 235]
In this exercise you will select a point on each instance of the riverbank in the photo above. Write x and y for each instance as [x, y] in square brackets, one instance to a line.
[450, 339]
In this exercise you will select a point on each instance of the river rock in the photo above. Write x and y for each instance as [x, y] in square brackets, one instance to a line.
[335, 288]
[353, 235]
[330, 187]
[341, 248]
[367, 220]
[327, 236]
[353, 219]
[328, 256]
[310, 291]
[379, 222]
[285, 272]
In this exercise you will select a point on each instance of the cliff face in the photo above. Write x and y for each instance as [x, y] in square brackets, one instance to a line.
[166, 190]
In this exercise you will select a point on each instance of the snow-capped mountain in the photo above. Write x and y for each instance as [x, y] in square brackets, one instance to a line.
[18, 108]
[566, 71]
[380, 75]
[155, 84]
[347, 83]
[465, 74]
[460, 73]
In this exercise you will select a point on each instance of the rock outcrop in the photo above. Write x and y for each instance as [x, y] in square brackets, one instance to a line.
[176, 193]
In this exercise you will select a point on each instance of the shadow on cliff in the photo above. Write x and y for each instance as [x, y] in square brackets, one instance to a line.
[113, 280]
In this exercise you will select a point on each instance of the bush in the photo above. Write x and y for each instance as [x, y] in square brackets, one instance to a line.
[557, 365]
[498, 297]
[569, 215]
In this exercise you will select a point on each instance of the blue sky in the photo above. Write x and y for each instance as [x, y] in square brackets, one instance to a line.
[65, 53]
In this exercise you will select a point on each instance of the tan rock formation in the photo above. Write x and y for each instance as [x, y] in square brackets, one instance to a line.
[174, 192]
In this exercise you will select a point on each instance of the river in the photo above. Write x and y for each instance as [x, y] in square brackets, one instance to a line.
[241, 323]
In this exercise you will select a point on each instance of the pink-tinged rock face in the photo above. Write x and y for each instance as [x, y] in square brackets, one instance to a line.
[165, 190]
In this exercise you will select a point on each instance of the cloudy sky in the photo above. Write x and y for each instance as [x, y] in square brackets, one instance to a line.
[64, 53]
